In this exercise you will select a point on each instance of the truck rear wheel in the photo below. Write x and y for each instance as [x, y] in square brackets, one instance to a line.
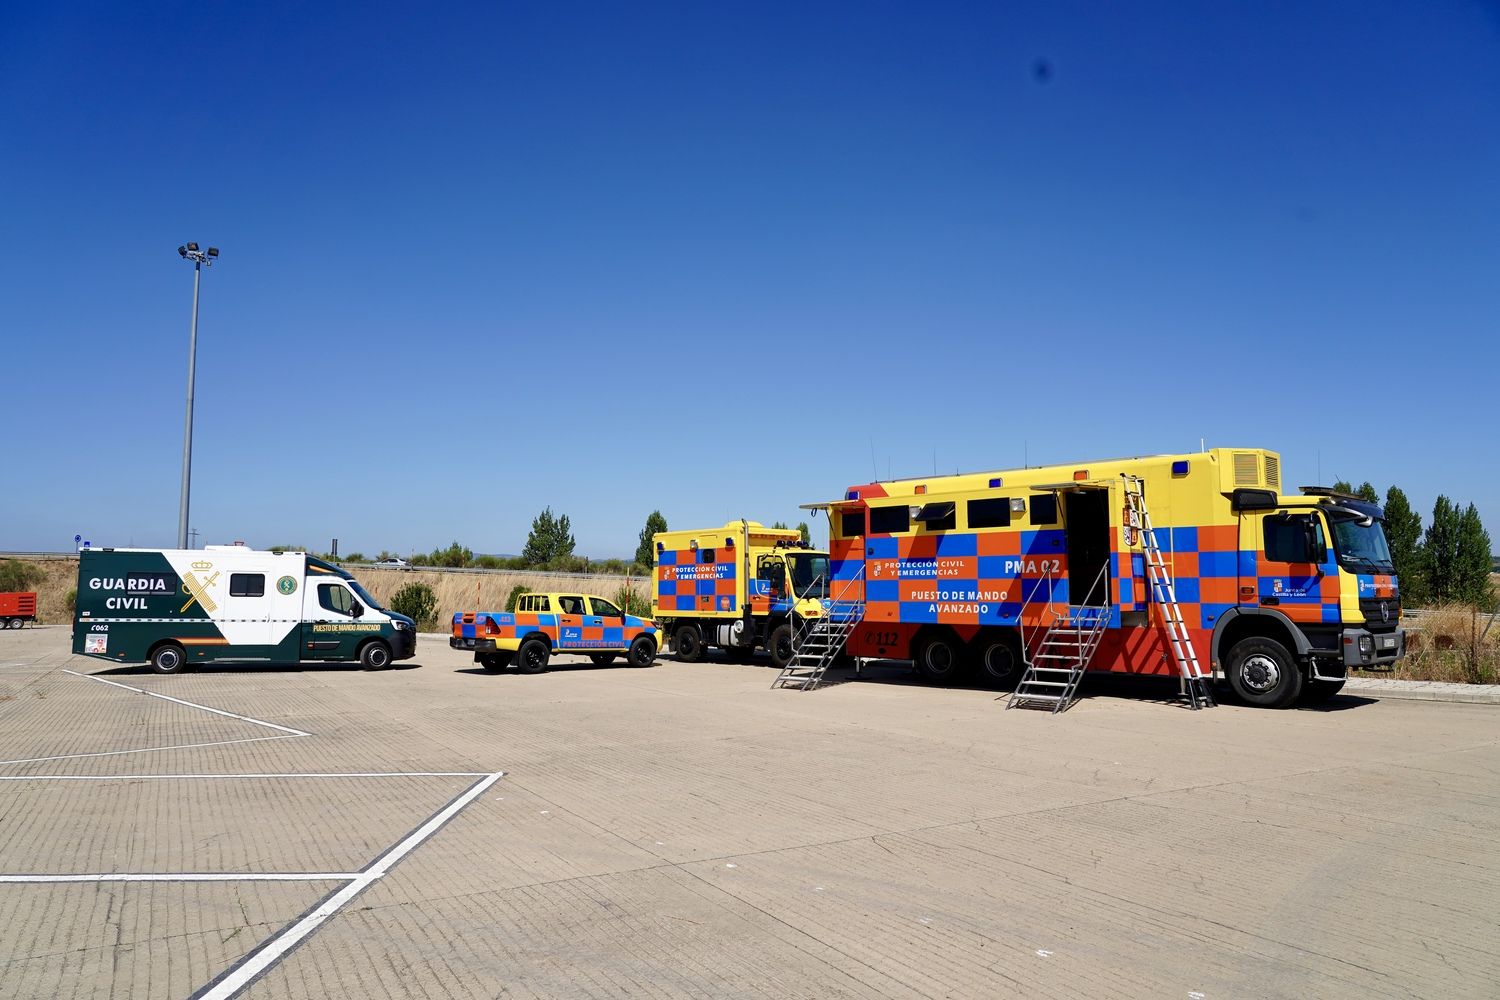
[780, 645]
[1263, 673]
[688, 642]
[937, 658]
[642, 652]
[168, 658]
[532, 657]
[999, 661]
[1318, 691]
[375, 656]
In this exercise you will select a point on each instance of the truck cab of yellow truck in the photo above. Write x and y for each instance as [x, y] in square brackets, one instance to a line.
[740, 587]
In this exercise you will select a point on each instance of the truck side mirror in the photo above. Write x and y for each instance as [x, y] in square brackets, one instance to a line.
[1317, 552]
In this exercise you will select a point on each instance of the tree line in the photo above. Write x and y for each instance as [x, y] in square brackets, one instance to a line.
[1448, 562]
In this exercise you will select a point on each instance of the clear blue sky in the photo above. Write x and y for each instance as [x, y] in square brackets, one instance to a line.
[707, 258]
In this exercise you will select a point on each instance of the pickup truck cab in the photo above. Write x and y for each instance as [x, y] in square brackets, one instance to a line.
[543, 624]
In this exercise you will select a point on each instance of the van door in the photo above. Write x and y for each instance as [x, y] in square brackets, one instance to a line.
[245, 615]
[329, 628]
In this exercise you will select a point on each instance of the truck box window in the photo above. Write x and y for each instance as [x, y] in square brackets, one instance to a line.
[247, 585]
[993, 513]
[852, 524]
[1044, 509]
[884, 520]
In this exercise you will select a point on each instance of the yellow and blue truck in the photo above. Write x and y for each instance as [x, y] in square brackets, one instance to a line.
[173, 608]
[739, 587]
[1282, 593]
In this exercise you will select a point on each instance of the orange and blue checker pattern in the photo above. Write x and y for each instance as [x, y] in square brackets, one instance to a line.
[565, 631]
[697, 580]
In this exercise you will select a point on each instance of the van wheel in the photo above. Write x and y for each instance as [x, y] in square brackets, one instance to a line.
[780, 645]
[602, 659]
[1263, 673]
[642, 652]
[999, 662]
[688, 642]
[375, 656]
[532, 657]
[937, 659]
[494, 662]
[168, 659]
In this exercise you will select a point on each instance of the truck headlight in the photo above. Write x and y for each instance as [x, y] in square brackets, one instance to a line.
[1366, 647]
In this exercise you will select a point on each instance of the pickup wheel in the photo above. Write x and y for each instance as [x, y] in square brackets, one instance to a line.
[532, 657]
[688, 641]
[375, 656]
[168, 658]
[1263, 673]
[495, 662]
[642, 652]
[602, 659]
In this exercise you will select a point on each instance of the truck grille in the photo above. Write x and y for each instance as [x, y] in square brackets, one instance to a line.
[1381, 611]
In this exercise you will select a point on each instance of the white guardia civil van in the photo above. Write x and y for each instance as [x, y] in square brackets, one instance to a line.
[176, 607]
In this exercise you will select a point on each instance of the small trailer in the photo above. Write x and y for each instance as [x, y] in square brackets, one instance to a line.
[16, 609]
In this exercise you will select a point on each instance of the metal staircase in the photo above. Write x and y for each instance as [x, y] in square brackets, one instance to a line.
[1054, 670]
[1196, 685]
[817, 642]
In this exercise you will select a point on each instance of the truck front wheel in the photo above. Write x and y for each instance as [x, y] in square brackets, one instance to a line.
[1263, 673]
[688, 642]
[780, 646]
[168, 659]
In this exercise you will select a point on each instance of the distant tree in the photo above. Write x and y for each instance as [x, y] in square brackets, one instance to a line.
[1472, 561]
[355, 557]
[1403, 528]
[551, 539]
[1343, 486]
[417, 602]
[781, 524]
[644, 554]
[1367, 492]
[515, 594]
[806, 531]
[455, 556]
[1441, 545]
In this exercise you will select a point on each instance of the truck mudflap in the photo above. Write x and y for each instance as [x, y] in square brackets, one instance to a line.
[1365, 650]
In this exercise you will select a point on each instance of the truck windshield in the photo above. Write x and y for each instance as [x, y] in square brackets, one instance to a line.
[1362, 548]
[809, 574]
[364, 595]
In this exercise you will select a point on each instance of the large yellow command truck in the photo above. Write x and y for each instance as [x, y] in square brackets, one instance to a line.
[739, 587]
[1280, 593]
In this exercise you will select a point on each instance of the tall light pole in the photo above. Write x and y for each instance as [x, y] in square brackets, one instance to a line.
[200, 259]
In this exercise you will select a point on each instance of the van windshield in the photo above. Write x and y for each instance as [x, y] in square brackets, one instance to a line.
[364, 595]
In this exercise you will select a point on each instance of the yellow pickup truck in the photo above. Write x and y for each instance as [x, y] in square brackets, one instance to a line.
[543, 624]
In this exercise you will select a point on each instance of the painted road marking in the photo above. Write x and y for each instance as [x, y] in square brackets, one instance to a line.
[116, 753]
[273, 949]
[189, 877]
[189, 704]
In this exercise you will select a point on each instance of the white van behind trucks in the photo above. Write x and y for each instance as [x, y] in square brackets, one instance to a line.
[176, 607]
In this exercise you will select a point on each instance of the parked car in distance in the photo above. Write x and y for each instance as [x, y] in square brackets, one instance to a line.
[393, 563]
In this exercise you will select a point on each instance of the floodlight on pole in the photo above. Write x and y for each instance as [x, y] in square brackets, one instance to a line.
[190, 251]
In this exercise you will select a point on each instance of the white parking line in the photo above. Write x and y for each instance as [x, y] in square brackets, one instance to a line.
[117, 753]
[271, 951]
[188, 877]
[189, 704]
[166, 777]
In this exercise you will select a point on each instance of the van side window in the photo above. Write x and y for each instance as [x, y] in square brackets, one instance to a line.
[1044, 509]
[335, 598]
[885, 520]
[992, 513]
[852, 524]
[247, 585]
